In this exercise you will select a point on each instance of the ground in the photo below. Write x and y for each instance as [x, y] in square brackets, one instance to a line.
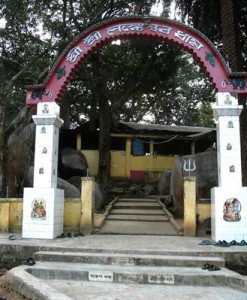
[6, 293]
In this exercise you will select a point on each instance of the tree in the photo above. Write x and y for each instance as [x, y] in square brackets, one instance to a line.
[22, 57]
[229, 19]
[123, 81]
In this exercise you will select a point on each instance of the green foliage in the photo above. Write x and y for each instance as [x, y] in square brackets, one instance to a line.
[206, 17]
[141, 77]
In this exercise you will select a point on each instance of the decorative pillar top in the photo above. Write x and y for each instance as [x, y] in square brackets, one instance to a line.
[48, 108]
[227, 105]
[227, 99]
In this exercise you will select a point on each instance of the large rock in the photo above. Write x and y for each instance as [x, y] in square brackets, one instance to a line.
[70, 191]
[73, 163]
[20, 147]
[165, 183]
[206, 176]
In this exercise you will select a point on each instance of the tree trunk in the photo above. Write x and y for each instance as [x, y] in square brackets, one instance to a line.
[104, 143]
[100, 95]
[231, 35]
[65, 111]
[2, 106]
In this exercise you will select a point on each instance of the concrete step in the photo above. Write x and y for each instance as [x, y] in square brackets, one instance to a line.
[137, 228]
[152, 205]
[148, 218]
[148, 200]
[137, 274]
[127, 259]
[137, 211]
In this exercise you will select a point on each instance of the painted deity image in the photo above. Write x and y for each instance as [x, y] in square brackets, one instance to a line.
[38, 209]
[231, 210]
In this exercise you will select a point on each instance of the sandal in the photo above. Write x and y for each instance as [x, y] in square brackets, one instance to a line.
[206, 243]
[207, 267]
[222, 244]
[243, 243]
[30, 262]
[12, 237]
[234, 243]
[214, 268]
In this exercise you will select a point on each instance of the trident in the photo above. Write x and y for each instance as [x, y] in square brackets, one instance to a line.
[188, 167]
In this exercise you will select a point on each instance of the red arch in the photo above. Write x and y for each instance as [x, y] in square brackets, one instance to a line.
[173, 32]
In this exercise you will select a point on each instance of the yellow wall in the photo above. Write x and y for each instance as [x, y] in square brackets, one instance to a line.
[122, 163]
[92, 157]
[203, 211]
[11, 214]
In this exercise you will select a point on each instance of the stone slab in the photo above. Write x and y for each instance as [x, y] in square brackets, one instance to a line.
[128, 259]
[135, 227]
[150, 218]
[137, 211]
[151, 205]
[92, 290]
[138, 200]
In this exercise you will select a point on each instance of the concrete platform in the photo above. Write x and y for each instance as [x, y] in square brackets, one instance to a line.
[228, 287]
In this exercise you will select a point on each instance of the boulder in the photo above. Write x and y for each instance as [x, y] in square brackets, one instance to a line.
[165, 183]
[20, 145]
[70, 191]
[73, 163]
[99, 199]
[206, 174]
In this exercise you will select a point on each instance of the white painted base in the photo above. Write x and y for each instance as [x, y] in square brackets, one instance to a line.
[225, 230]
[45, 222]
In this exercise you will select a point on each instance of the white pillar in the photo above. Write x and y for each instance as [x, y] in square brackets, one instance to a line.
[229, 200]
[43, 205]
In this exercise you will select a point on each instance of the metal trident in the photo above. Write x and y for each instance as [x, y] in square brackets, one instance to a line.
[188, 167]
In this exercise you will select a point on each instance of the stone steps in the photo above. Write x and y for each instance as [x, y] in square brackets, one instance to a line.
[133, 216]
[135, 268]
[163, 275]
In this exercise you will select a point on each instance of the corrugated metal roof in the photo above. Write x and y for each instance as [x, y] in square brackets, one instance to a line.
[170, 128]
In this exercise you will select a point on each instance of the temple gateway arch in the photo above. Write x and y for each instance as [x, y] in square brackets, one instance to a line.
[229, 199]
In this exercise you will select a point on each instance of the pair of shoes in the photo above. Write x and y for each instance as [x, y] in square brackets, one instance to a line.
[62, 236]
[234, 243]
[242, 243]
[12, 237]
[206, 266]
[214, 268]
[222, 244]
[206, 243]
[30, 261]
[210, 267]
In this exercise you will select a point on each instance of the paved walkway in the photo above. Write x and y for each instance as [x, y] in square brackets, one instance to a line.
[133, 243]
